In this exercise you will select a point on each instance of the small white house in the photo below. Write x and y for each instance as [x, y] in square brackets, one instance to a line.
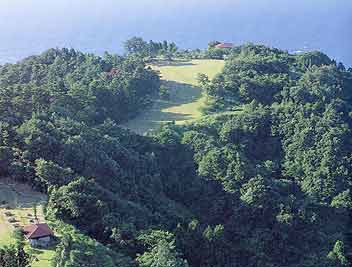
[38, 235]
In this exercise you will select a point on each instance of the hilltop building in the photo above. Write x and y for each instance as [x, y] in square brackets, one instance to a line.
[224, 46]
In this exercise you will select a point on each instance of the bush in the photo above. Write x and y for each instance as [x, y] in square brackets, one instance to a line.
[164, 93]
[8, 214]
[12, 220]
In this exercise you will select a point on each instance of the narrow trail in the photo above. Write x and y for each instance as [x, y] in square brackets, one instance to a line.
[186, 98]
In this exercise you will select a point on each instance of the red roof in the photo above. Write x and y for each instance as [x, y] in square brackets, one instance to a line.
[37, 231]
[114, 72]
[224, 45]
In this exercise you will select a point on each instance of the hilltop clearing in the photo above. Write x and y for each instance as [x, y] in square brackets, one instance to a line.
[186, 98]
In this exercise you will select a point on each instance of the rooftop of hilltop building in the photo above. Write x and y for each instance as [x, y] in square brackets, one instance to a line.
[224, 45]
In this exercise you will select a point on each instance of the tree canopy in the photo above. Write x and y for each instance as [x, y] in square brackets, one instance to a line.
[262, 179]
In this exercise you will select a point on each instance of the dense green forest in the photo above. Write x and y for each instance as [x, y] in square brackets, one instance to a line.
[263, 179]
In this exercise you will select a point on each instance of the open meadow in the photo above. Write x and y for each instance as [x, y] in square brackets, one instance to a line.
[186, 98]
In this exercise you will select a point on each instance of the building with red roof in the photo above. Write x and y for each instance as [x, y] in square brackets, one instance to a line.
[38, 235]
[224, 45]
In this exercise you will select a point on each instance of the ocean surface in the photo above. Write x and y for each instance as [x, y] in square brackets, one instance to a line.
[32, 26]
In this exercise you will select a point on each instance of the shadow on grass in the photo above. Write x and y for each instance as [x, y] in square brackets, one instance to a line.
[36, 251]
[43, 254]
[181, 93]
[17, 195]
[163, 111]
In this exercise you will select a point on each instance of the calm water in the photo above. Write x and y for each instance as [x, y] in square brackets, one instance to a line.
[32, 26]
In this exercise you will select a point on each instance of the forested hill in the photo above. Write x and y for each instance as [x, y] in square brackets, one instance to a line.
[263, 179]
[74, 85]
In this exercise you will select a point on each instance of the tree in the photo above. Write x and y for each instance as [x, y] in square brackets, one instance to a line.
[216, 53]
[76, 250]
[15, 256]
[5, 160]
[338, 255]
[164, 92]
[165, 46]
[256, 193]
[202, 79]
[342, 200]
[162, 252]
[172, 49]
[19, 238]
[162, 255]
[314, 58]
[51, 173]
[154, 48]
[212, 44]
[273, 161]
[35, 211]
[136, 45]
[341, 67]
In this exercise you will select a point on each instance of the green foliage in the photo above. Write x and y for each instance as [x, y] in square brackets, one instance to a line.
[255, 193]
[19, 238]
[254, 73]
[162, 255]
[342, 200]
[338, 255]
[76, 85]
[162, 251]
[202, 79]
[15, 256]
[35, 211]
[216, 53]
[281, 150]
[315, 58]
[75, 250]
[51, 173]
[164, 92]
[263, 182]
[138, 47]
[6, 156]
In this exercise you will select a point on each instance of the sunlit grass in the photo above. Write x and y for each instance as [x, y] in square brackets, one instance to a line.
[5, 231]
[186, 97]
[44, 257]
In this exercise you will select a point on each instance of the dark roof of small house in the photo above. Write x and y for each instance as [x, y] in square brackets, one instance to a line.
[224, 45]
[39, 230]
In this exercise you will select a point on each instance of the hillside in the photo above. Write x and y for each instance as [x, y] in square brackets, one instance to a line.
[263, 179]
[186, 98]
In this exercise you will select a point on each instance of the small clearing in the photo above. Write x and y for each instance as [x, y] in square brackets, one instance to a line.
[18, 200]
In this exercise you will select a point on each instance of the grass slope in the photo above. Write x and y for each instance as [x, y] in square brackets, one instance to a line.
[186, 97]
[19, 200]
[5, 231]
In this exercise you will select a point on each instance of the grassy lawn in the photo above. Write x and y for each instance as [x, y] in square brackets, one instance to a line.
[20, 200]
[186, 97]
[5, 231]
[44, 257]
